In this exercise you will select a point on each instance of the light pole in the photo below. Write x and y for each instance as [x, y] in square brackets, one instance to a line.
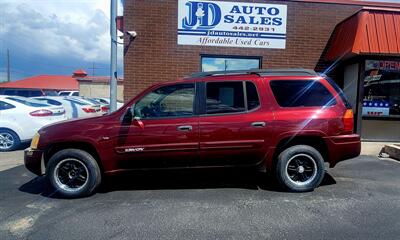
[113, 63]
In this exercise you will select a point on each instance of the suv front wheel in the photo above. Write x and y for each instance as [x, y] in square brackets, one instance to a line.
[73, 173]
[300, 168]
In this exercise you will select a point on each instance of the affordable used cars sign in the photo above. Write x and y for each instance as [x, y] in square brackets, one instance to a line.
[232, 24]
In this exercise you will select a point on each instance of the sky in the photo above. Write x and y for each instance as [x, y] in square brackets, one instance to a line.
[56, 37]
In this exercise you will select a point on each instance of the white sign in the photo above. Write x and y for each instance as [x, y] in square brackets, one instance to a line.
[231, 24]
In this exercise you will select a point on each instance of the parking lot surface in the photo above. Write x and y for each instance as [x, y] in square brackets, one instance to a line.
[359, 199]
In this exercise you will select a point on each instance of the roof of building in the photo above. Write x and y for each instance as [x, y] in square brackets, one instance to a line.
[48, 82]
[371, 31]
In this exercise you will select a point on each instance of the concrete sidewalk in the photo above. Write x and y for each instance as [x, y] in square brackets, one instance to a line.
[373, 148]
[11, 159]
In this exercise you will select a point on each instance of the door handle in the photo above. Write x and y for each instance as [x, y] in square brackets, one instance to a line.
[187, 128]
[258, 124]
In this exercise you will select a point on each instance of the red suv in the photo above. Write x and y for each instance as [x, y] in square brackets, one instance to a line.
[285, 121]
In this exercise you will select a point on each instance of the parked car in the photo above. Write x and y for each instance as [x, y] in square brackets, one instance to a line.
[104, 107]
[68, 93]
[288, 122]
[74, 107]
[22, 92]
[107, 101]
[21, 118]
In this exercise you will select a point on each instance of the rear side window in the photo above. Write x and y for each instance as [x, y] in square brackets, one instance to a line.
[76, 94]
[5, 106]
[224, 97]
[63, 94]
[252, 96]
[339, 91]
[50, 101]
[30, 103]
[301, 93]
[76, 101]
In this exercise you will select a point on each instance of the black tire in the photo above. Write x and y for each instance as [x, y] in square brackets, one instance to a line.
[69, 167]
[300, 168]
[16, 142]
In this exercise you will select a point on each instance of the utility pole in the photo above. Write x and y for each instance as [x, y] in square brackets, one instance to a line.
[113, 64]
[8, 66]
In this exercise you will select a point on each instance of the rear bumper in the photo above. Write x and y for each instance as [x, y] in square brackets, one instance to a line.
[343, 147]
[33, 160]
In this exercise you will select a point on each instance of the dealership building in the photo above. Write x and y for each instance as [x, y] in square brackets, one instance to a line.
[357, 43]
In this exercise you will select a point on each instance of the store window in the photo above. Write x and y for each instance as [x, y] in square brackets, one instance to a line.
[221, 63]
[382, 89]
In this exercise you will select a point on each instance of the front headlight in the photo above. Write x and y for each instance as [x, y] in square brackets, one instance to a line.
[35, 141]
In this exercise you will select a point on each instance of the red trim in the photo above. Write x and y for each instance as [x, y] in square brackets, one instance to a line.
[369, 31]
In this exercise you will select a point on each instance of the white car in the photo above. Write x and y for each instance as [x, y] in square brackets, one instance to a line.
[68, 93]
[21, 118]
[107, 101]
[103, 107]
[74, 107]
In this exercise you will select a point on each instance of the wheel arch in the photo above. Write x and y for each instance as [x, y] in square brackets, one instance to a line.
[9, 129]
[316, 142]
[84, 146]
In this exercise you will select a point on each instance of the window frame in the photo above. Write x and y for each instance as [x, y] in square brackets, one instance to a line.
[259, 58]
[12, 106]
[203, 99]
[334, 95]
[195, 102]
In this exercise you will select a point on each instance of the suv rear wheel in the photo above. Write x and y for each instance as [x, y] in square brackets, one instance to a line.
[300, 168]
[73, 173]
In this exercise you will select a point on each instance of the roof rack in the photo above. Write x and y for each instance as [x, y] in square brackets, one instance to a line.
[260, 72]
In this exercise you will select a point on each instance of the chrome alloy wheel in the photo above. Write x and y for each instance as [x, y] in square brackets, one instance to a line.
[301, 169]
[6, 141]
[71, 175]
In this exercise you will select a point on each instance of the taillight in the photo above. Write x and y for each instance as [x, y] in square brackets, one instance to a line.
[104, 109]
[41, 113]
[348, 121]
[89, 110]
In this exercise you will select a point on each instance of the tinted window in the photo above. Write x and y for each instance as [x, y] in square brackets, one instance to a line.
[5, 106]
[167, 101]
[28, 102]
[29, 93]
[76, 94]
[225, 97]
[301, 94]
[76, 101]
[50, 101]
[252, 96]
[63, 94]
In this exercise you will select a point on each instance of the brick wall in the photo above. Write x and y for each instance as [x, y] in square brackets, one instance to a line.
[156, 57]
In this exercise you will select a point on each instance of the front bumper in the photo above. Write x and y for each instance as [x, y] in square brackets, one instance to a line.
[34, 162]
[343, 147]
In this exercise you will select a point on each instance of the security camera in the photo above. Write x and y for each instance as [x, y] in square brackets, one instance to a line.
[132, 34]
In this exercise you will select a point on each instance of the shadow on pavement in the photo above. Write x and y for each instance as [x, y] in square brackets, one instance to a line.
[171, 179]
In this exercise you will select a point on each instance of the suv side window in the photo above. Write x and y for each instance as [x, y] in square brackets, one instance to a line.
[252, 96]
[224, 97]
[301, 93]
[168, 101]
[5, 106]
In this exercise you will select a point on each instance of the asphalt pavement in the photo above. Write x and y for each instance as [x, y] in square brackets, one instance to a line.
[359, 199]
